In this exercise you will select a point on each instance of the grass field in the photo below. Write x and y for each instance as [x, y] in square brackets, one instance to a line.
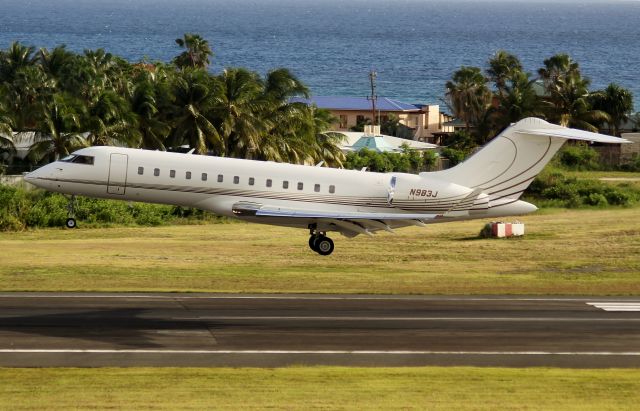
[320, 388]
[564, 252]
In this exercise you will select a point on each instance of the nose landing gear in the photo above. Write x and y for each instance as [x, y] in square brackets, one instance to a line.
[320, 243]
[71, 221]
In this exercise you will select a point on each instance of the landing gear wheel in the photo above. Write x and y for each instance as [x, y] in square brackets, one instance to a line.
[324, 245]
[319, 242]
[71, 223]
[312, 242]
[71, 209]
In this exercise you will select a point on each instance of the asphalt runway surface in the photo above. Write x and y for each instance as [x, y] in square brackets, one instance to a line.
[87, 330]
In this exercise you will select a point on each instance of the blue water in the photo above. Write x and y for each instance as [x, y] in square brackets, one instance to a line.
[414, 45]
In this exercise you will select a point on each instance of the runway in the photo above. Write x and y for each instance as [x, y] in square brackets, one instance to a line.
[88, 330]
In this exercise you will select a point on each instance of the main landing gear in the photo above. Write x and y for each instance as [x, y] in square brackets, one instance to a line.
[319, 242]
[71, 209]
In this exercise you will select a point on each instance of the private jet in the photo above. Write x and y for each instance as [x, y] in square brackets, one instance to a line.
[487, 185]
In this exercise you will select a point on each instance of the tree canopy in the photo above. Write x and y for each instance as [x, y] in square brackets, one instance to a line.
[70, 100]
[560, 94]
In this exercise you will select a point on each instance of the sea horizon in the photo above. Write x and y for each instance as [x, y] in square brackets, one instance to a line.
[414, 46]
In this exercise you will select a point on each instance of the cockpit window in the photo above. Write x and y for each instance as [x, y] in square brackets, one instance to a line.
[78, 159]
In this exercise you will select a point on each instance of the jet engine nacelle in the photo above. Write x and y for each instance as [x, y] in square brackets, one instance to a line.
[409, 188]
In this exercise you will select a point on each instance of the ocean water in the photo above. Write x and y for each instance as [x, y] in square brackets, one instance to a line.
[414, 45]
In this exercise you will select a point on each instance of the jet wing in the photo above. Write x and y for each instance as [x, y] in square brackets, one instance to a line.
[347, 222]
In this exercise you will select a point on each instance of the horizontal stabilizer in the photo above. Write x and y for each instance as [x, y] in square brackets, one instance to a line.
[573, 134]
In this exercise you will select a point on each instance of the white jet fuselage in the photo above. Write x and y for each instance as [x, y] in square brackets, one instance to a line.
[216, 184]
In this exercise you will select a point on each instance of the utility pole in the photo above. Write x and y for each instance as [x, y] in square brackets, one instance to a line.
[373, 97]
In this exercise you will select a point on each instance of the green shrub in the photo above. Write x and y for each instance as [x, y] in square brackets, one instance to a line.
[634, 165]
[579, 157]
[618, 197]
[12, 206]
[556, 189]
[409, 161]
[455, 156]
[429, 159]
[21, 209]
[596, 199]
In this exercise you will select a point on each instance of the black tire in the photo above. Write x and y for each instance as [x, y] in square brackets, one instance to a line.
[324, 246]
[312, 243]
[71, 223]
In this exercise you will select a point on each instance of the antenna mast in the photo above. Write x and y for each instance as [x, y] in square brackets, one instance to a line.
[373, 97]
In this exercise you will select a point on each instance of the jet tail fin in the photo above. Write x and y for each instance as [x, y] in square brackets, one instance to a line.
[506, 166]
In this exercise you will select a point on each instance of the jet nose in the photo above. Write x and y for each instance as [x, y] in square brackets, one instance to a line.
[29, 176]
[35, 178]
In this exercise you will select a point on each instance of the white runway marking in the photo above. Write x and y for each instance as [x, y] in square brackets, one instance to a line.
[312, 352]
[617, 306]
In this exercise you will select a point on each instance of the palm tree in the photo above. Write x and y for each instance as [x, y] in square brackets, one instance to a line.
[191, 113]
[6, 130]
[617, 102]
[467, 95]
[327, 144]
[16, 57]
[567, 93]
[518, 100]
[144, 104]
[100, 60]
[280, 85]
[57, 133]
[109, 121]
[30, 88]
[290, 136]
[197, 52]
[558, 68]
[502, 66]
[237, 104]
[56, 62]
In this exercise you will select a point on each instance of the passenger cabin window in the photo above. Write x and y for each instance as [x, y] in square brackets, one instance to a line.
[220, 178]
[269, 182]
[236, 180]
[187, 175]
[78, 159]
[285, 184]
[172, 173]
[332, 189]
[300, 186]
[204, 176]
[316, 188]
[156, 172]
[252, 181]
[141, 170]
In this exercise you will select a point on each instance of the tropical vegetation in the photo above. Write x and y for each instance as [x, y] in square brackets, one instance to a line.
[22, 209]
[406, 161]
[66, 100]
[488, 102]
